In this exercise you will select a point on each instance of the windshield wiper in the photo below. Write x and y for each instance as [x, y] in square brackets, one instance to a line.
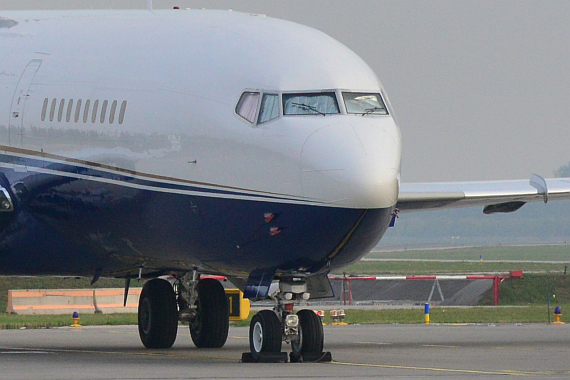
[370, 110]
[308, 107]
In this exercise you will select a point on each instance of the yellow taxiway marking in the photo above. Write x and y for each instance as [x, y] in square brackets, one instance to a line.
[375, 343]
[118, 332]
[502, 372]
[438, 346]
[515, 348]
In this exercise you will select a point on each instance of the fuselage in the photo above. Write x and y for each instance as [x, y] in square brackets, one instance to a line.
[181, 139]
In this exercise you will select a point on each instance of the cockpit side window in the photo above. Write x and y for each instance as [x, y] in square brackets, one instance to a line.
[269, 108]
[247, 106]
[364, 103]
[322, 103]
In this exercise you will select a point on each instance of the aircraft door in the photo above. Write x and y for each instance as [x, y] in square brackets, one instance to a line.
[19, 100]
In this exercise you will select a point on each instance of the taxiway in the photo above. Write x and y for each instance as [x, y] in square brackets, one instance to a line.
[359, 352]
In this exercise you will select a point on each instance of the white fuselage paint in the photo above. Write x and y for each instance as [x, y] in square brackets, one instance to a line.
[182, 73]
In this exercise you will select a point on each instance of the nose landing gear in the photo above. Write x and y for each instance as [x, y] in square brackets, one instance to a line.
[269, 328]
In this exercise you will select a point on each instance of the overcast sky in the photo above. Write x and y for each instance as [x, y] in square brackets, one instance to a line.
[481, 89]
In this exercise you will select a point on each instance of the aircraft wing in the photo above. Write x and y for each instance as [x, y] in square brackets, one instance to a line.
[495, 196]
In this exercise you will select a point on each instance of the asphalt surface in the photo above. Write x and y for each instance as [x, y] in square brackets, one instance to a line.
[359, 352]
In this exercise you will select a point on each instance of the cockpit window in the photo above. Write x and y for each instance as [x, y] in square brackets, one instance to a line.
[269, 108]
[364, 103]
[323, 103]
[247, 106]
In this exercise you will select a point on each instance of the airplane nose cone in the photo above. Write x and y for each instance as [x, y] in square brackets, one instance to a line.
[352, 165]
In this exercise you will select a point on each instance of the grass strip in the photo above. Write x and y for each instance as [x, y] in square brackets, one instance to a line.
[521, 253]
[486, 314]
[12, 321]
[432, 268]
[480, 314]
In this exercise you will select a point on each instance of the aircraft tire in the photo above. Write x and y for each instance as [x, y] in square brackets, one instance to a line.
[211, 327]
[311, 334]
[157, 314]
[264, 334]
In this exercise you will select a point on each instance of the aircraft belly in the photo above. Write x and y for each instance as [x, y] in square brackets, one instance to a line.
[76, 220]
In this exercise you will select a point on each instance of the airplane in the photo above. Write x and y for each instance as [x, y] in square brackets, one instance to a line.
[185, 143]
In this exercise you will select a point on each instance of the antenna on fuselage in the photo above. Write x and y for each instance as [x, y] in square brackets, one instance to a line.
[149, 5]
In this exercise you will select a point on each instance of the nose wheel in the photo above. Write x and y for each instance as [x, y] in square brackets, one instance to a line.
[304, 330]
[311, 335]
[264, 334]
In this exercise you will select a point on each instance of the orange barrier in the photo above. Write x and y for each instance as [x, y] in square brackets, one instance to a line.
[63, 301]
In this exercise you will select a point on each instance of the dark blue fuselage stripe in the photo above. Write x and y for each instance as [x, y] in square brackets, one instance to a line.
[67, 169]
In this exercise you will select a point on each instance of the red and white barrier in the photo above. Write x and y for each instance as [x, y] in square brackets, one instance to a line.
[497, 279]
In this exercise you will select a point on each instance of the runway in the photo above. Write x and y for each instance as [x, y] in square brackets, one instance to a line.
[359, 352]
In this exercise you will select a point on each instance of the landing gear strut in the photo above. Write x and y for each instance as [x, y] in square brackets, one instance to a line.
[269, 328]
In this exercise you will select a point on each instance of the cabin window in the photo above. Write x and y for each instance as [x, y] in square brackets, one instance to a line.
[86, 110]
[247, 106]
[322, 103]
[269, 108]
[44, 109]
[94, 112]
[77, 110]
[69, 109]
[122, 112]
[60, 112]
[364, 103]
[52, 109]
[113, 110]
[104, 110]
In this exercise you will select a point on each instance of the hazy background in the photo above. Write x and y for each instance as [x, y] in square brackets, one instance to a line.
[481, 91]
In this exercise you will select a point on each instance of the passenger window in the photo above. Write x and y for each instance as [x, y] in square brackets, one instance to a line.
[52, 109]
[78, 110]
[86, 110]
[44, 109]
[69, 109]
[60, 112]
[322, 103]
[122, 111]
[113, 110]
[364, 103]
[95, 109]
[269, 108]
[104, 110]
[247, 106]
